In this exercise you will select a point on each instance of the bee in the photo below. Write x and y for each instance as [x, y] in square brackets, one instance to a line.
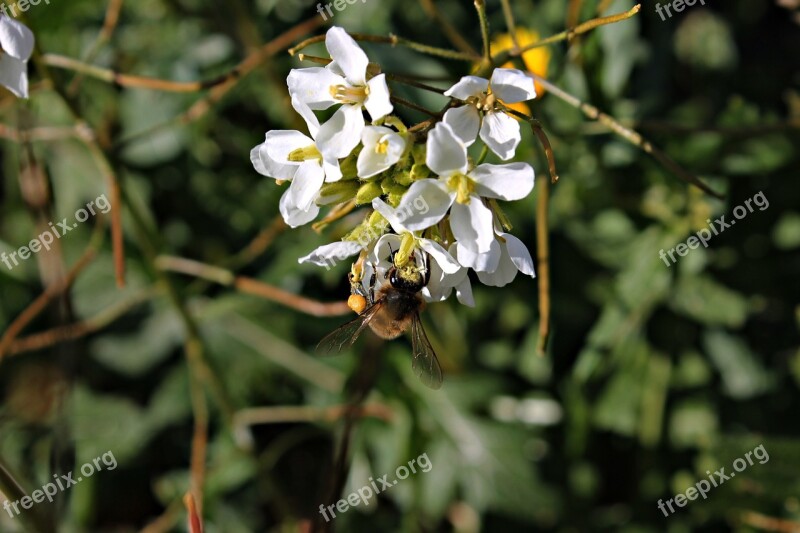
[394, 310]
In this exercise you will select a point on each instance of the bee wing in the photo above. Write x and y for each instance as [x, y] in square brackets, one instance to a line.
[424, 362]
[347, 334]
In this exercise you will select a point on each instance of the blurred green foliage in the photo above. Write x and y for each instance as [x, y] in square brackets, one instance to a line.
[654, 375]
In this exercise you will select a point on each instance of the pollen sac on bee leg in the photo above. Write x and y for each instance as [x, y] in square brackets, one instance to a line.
[357, 303]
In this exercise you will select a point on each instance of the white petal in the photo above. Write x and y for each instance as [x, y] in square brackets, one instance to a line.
[306, 184]
[371, 161]
[378, 103]
[479, 262]
[342, 132]
[308, 115]
[267, 167]
[332, 170]
[16, 39]
[312, 87]
[519, 254]
[468, 86]
[280, 143]
[504, 274]
[509, 182]
[512, 85]
[465, 122]
[292, 215]
[424, 204]
[381, 255]
[329, 254]
[435, 290]
[501, 133]
[472, 225]
[464, 292]
[440, 256]
[348, 55]
[14, 74]
[446, 154]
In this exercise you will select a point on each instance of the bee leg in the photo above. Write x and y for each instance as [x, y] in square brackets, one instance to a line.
[372, 280]
[427, 262]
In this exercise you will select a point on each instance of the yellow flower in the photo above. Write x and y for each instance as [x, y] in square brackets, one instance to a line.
[536, 60]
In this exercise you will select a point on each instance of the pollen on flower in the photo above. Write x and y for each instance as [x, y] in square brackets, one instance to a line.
[382, 146]
[304, 154]
[463, 186]
[349, 95]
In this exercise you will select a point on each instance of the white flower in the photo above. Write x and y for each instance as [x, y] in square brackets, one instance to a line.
[16, 47]
[383, 148]
[461, 192]
[499, 266]
[442, 284]
[330, 254]
[293, 156]
[498, 130]
[439, 261]
[344, 81]
[443, 259]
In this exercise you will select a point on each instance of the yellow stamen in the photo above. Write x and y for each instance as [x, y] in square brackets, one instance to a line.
[382, 146]
[304, 154]
[349, 95]
[407, 245]
[463, 186]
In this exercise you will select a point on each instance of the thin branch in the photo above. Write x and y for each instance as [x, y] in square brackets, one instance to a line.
[253, 61]
[109, 25]
[628, 134]
[543, 258]
[511, 25]
[448, 29]
[252, 286]
[288, 414]
[412, 105]
[399, 78]
[393, 40]
[70, 332]
[566, 35]
[43, 300]
[480, 5]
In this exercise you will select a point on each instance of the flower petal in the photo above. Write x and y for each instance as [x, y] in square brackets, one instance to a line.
[479, 262]
[468, 86]
[308, 115]
[348, 55]
[14, 75]
[382, 149]
[329, 254]
[306, 184]
[504, 274]
[381, 254]
[519, 254]
[333, 171]
[312, 87]
[341, 133]
[378, 103]
[16, 39]
[472, 225]
[447, 154]
[513, 181]
[424, 204]
[280, 143]
[501, 133]
[512, 85]
[292, 215]
[464, 292]
[440, 256]
[465, 122]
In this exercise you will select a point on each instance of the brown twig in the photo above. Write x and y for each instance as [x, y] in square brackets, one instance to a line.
[769, 523]
[44, 299]
[252, 286]
[543, 258]
[109, 25]
[448, 29]
[284, 414]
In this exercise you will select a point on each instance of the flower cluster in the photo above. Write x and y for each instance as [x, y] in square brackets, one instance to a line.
[432, 205]
[16, 47]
